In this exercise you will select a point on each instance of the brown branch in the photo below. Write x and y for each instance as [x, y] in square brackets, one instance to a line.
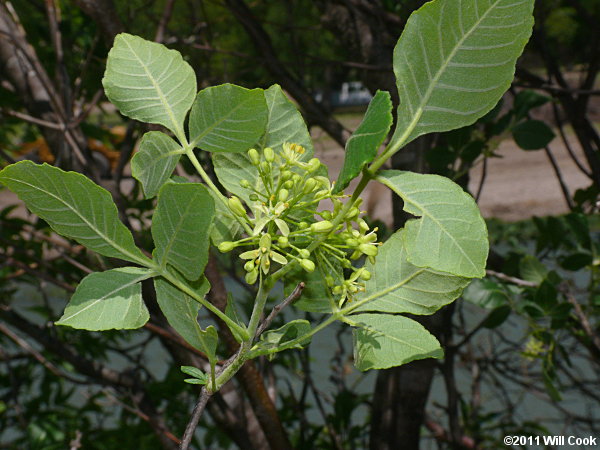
[164, 20]
[295, 295]
[249, 377]
[513, 280]
[37, 355]
[271, 62]
[582, 318]
[190, 429]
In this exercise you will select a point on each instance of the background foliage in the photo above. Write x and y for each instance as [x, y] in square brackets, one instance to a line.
[522, 347]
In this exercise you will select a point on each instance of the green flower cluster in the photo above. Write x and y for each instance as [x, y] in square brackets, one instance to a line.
[285, 221]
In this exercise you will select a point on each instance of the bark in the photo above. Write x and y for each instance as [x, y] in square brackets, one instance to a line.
[22, 69]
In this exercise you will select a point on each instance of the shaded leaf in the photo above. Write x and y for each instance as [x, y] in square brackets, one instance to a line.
[154, 162]
[107, 300]
[181, 227]
[227, 118]
[532, 135]
[451, 235]
[181, 310]
[397, 286]
[384, 340]
[284, 124]
[362, 146]
[272, 339]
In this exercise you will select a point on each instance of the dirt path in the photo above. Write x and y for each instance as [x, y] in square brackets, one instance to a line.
[519, 185]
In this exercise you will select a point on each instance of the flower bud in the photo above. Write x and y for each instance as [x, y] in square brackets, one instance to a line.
[365, 275]
[369, 250]
[304, 253]
[321, 227]
[288, 184]
[346, 264]
[352, 243]
[310, 185]
[322, 193]
[283, 241]
[329, 280]
[283, 195]
[302, 225]
[226, 246]
[265, 242]
[245, 184]
[296, 178]
[269, 154]
[254, 157]
[252, 276]
[265, 166]
[352, 213]
[249, 266]
[326, 215]
[337, 290]
[236, 206]
[364, 227]
[313, 165]
[286, 175]
[307, 265]
[254, 197]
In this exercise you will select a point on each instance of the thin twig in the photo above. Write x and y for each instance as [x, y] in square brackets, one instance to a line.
[513, 280]
[288, 301]
[563, 136]
[561, 181]
[164, 20]
[37, 355]
[188, 435]
[583, 319]
[482, 180]
[140, 414]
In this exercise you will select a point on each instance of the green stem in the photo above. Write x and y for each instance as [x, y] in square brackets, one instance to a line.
[190, 154]
[200, 299]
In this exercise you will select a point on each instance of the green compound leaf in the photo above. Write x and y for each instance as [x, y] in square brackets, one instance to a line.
[181, 310]
[149, 82]
[454, 61]
[181, 227]
[108, 300]
[382, 341]
[284, 124]
[396, 286]
[532, 135]
[228, 118]
[155, 161]
[362, 146]
[73, 206]
[451, 235]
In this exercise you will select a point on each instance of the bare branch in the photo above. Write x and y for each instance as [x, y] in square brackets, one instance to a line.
[295, 295]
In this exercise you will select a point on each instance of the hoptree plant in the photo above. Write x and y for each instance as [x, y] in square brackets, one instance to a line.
[452, 63]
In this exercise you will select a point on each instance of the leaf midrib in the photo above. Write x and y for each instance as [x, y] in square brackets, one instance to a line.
[112, 243]
[425, 99]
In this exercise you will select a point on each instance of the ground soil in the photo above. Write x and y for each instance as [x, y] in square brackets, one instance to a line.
[518, 185]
